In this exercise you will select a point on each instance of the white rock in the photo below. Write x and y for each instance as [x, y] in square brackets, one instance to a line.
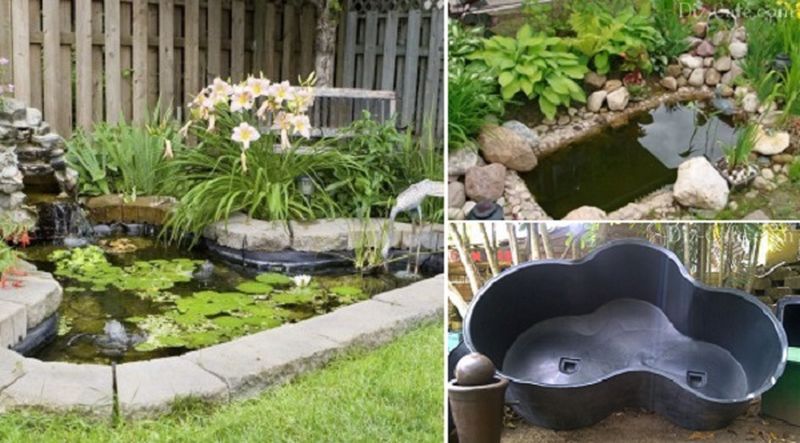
[767, 174]
[738, 49]
[590, 213]
[750, 102]
[698, 77]
[771, 144]
[618, 100]
[690, 61]
[699, 185]
[723, 64]
[596, 100]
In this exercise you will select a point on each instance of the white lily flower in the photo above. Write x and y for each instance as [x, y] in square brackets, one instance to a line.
[301, 281]
[259, 87]
[282, 91]
[302, 125]
[221, 87]
[245, 134]
[242, 99]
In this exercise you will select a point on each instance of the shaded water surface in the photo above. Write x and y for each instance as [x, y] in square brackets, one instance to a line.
[618, 166]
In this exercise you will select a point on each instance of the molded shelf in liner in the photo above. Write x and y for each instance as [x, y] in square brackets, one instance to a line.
[624, 326]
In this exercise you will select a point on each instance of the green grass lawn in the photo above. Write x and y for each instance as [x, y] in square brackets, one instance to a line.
[393, 394]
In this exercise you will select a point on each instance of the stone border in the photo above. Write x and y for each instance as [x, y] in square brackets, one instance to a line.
[238, 369]
[24, 308]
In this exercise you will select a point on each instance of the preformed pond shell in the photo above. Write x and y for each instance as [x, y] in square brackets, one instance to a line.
[626, 326]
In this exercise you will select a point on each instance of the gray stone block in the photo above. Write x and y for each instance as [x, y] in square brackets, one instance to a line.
[39, 293]
[11, 367]
[320, 235]
[147, 388]
[250, 364]
[425, 296]
[255, 235]
[60, 387]
[13, 324]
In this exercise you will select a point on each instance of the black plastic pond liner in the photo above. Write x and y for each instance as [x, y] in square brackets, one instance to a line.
[626, 326]
[38, 337]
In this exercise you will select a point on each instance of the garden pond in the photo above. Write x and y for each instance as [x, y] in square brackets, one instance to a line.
[620, 165]
[131, 298]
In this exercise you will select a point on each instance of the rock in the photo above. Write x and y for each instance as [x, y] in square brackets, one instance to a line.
[732, 75]
[669, 83]
[757, 215]
[740, 34]
[699, 185]
[323, 235]
[750, 102]
[761, 183]
[699, 29]
[456, 196]
[586, 213]
[240, 231]
[783, 159]
[781, 179]
[723, 64]
[594, 80]
[687, 72]
[460, 161]
[720, 37]
[767, 173]
[698, 77]
[618, 100]
[523, 131]
[541, 129]
[682, 82]
[726, 91]
[751, 195]
[706, 49]
[771, 144]
[674, 71]
[563, 120]
[693, 42]
[468, 207]
[690, 61]
[708, 62]
[486, 182]
[596, 100]
[733, 205]
[612, 85]
[738, 49]
[712, 77]
[456, 214]
[33, 117]
[502, 145]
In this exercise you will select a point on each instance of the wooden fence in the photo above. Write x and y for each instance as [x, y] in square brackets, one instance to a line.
[83, 61]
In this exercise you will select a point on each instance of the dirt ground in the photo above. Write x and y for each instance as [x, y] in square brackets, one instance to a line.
[646, 427]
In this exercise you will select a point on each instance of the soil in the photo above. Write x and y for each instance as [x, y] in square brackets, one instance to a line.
[639, 426]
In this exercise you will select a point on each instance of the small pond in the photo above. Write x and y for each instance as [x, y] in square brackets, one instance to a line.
[619, 165]
[171, 300]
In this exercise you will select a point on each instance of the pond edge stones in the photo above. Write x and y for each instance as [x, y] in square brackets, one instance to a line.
[25, 307]
[237, 369]
[700, 185]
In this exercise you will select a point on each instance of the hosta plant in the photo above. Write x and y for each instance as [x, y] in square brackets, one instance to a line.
[604, 37]
[538, 66]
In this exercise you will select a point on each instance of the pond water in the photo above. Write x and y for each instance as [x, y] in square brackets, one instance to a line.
[620, 165]
[170, 300]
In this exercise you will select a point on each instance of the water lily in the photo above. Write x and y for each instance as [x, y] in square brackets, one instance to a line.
[301, 281]
[245, 134]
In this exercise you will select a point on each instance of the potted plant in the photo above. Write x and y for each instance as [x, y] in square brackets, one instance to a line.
[735, 166]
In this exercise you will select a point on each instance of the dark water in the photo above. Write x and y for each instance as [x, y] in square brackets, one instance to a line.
[84, 312]
[618, 166]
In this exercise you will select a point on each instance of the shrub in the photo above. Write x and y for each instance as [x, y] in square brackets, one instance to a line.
[538, 66]
[604, 37]
[472, 100]
[122, 158]
[674, 31]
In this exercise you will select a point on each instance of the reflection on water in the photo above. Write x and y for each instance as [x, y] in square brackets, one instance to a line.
[618, 166]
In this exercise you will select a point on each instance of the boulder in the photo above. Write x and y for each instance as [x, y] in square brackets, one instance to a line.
[523, 131]
[738, 49]
[699, 185]
[674, 71]
[618, 100]
[594, 80]
[699, 29]
[723, 64]
[732, 75]
[596, 100]
[485, 182]
[771, 143]
[669, 83]
[462, 160]
[720, 37]
[504, 146]
[589, 213]
[612, 85]
[690, 61]
[698, 77]
[712, 77]
[705, 49]
[456, 196]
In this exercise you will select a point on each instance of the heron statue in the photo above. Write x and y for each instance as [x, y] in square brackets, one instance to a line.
[410, 201]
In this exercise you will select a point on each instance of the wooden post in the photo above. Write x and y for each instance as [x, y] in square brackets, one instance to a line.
[22, 63]
[166, 53]
[83, 63]
[139, 60]
[112, 62]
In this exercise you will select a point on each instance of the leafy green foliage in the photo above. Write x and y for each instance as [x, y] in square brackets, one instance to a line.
[674, 30]
[535, 65]
[604, 37]
[763, 44]
[122, 158]
[473, 97]
[274, 279]
[738, 154]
